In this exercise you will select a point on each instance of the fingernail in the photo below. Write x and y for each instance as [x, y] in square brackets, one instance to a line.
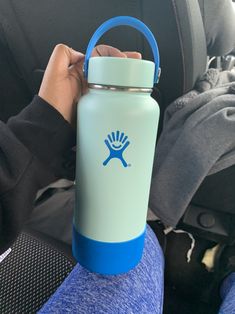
[139, 54]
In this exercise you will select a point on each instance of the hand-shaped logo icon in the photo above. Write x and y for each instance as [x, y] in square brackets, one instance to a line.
[116, 144]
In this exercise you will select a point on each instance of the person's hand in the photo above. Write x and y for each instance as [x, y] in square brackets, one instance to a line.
[63, 82]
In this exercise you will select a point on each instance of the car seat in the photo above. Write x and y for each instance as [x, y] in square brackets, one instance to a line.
[30, 30]
[219, 208]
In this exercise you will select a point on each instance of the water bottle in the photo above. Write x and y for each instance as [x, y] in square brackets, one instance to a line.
[117, 128]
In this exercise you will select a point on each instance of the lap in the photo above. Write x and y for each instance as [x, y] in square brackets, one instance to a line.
[138, 291]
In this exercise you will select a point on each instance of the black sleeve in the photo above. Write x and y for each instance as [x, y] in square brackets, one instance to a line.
[35, 150]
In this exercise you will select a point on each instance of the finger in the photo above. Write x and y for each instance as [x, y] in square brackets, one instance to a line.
[77, 71]
[63, 57]
[104, 50]
[77, 68]
[133, 54]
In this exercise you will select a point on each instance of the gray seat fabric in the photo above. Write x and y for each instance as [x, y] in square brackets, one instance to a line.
[219, 22]
[32, 28]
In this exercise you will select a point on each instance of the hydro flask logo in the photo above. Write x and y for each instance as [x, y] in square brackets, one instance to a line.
[116, 144]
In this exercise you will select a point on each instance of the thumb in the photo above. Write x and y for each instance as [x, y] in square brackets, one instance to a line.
[108, 51]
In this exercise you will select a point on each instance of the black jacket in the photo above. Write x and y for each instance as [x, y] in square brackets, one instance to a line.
[35, 150]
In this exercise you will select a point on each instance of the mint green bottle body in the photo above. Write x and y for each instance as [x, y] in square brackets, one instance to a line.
[113, 189]
[113, 199]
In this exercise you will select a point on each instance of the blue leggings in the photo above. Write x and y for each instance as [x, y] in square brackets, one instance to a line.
[139, 291]
[228, 295]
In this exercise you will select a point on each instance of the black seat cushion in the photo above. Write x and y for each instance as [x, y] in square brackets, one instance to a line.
[31, 273]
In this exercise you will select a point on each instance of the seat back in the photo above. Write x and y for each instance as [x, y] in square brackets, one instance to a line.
[33, 28]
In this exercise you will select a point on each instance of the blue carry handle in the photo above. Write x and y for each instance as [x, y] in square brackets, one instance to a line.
[129, 21]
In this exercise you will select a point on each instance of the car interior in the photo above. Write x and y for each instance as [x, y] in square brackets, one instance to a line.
[29, 30]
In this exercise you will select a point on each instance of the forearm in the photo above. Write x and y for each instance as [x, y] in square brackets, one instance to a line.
[35, 149]
[47, 135]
